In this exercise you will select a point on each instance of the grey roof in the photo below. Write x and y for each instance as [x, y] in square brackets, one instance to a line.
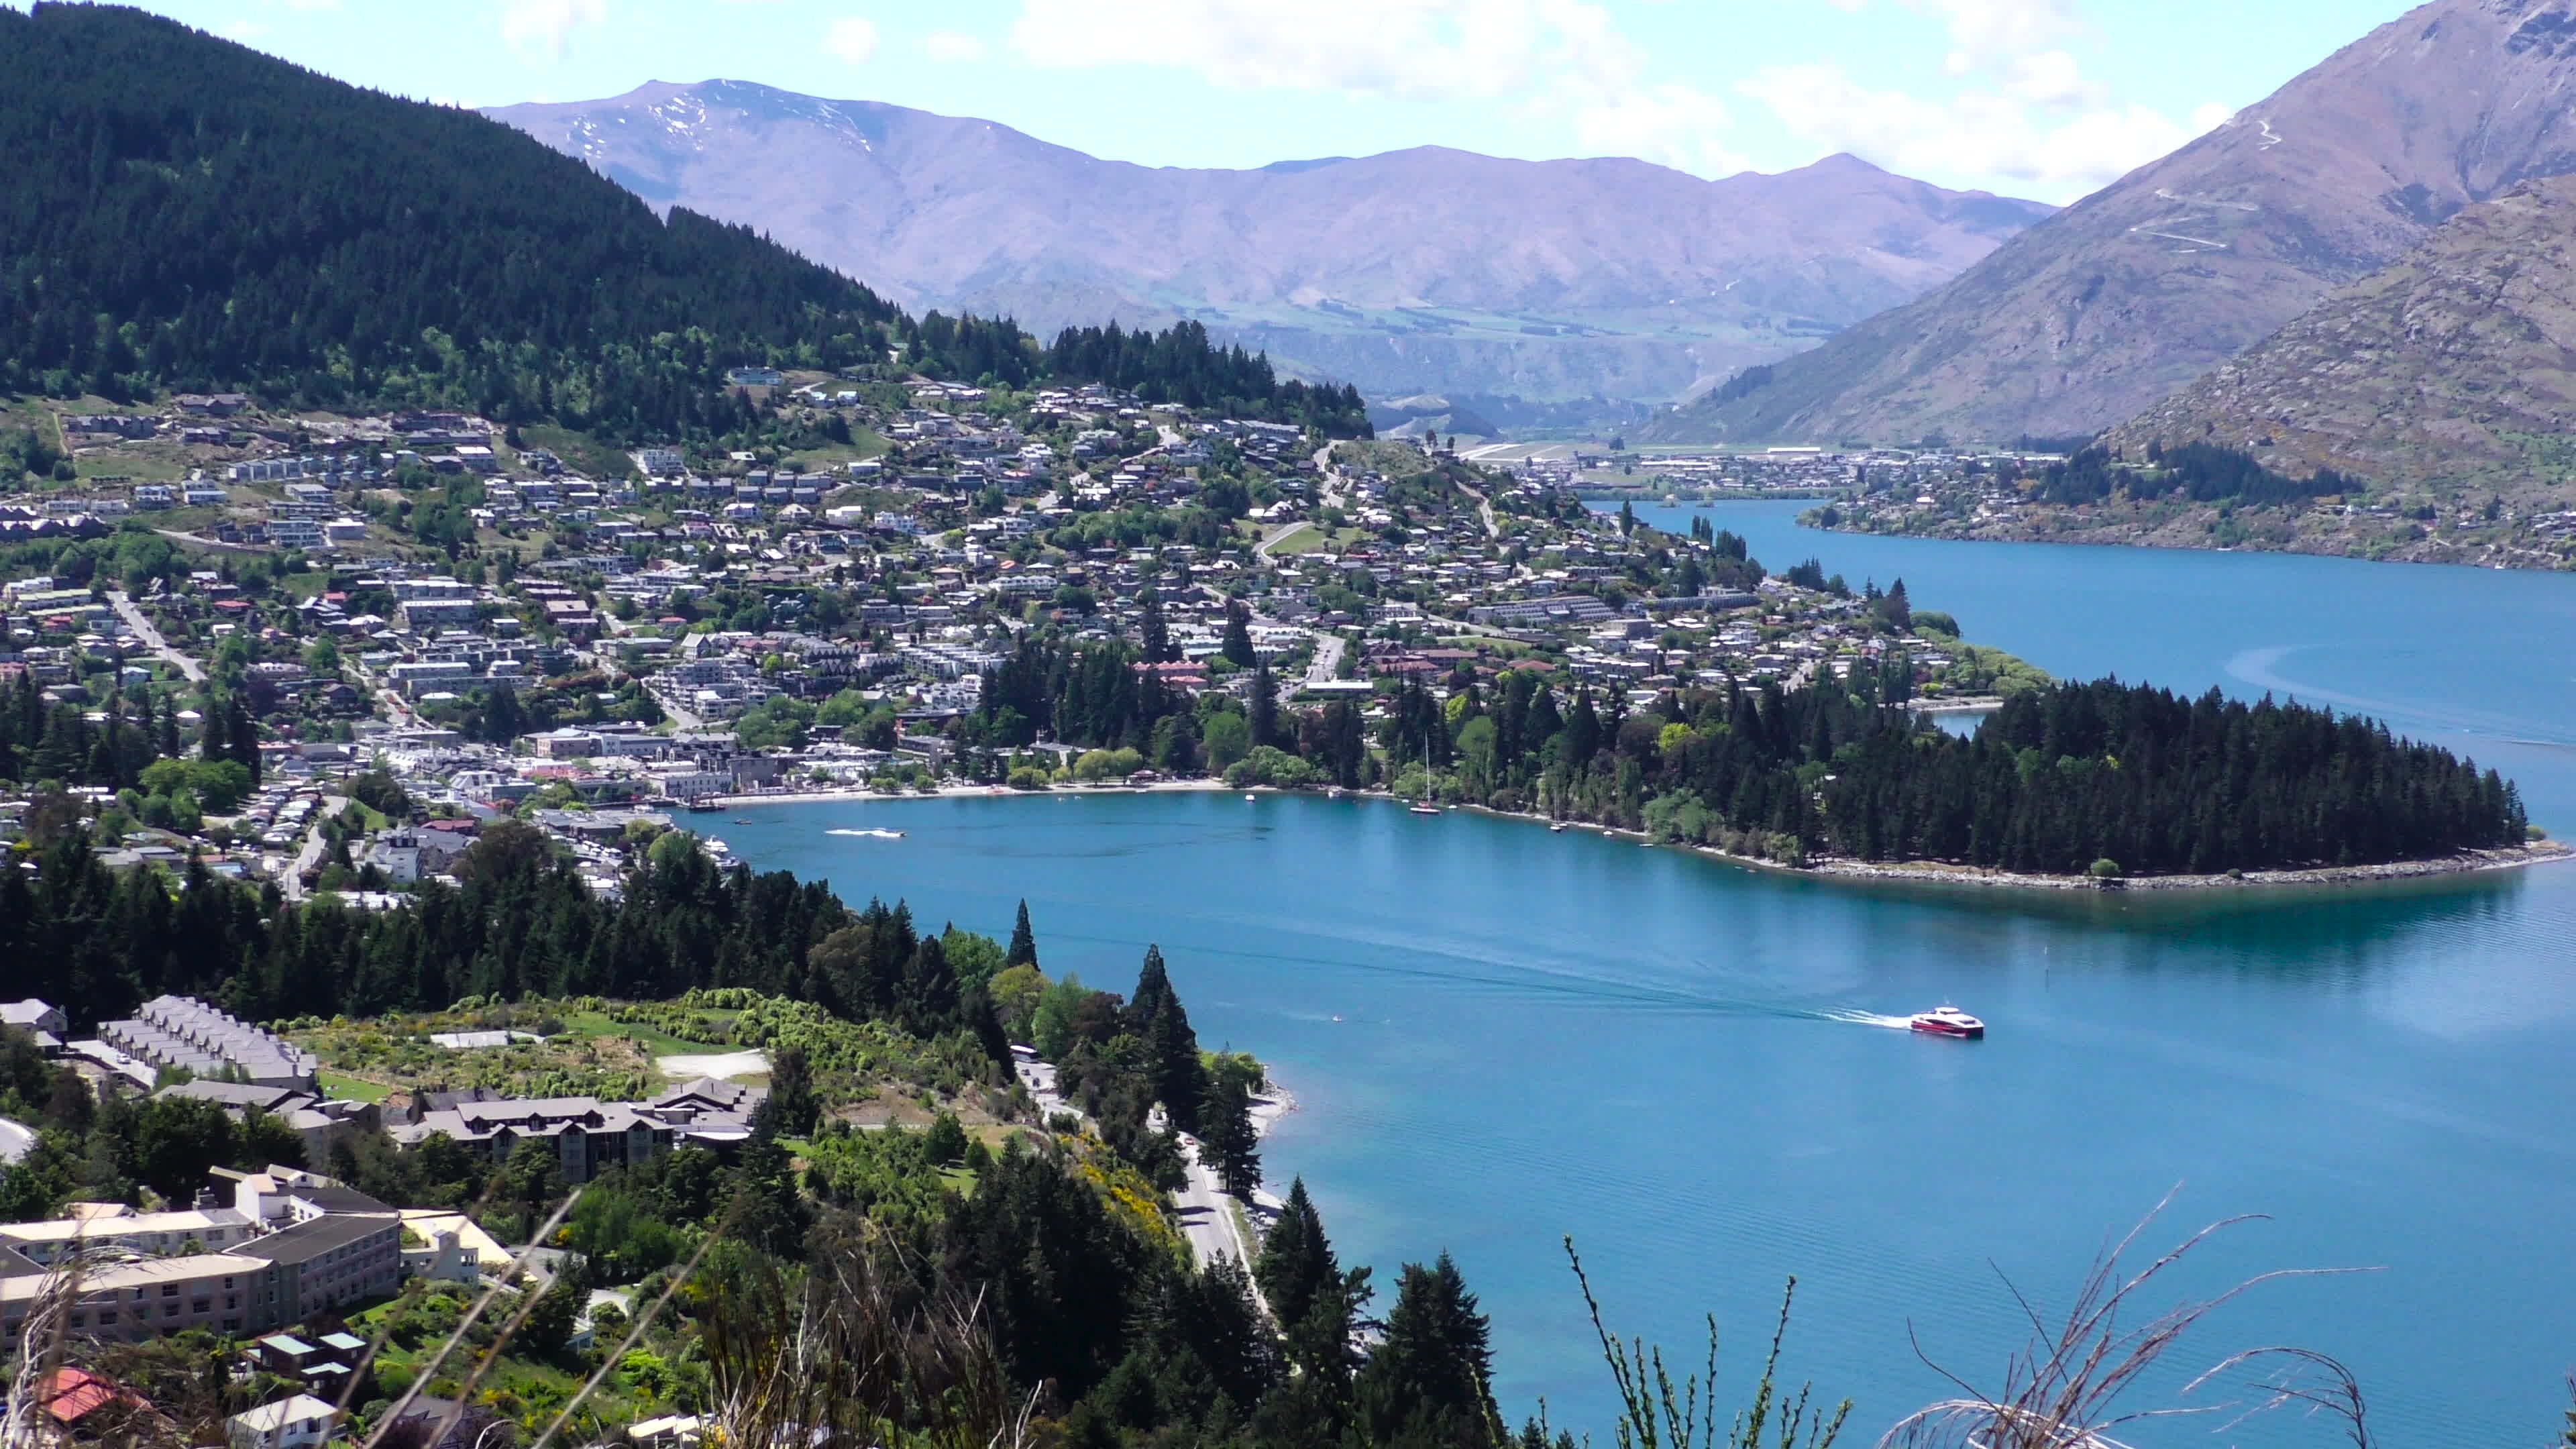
[337, 1200]
[181, 1031]
[309, 1240]
[23, 1013]
[240, 1094]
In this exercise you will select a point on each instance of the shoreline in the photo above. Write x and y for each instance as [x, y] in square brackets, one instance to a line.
[2094, 538]
[1929, 872]
[820, 796]
[1934, 872]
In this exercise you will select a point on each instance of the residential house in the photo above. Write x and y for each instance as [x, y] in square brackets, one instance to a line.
[300, 1421]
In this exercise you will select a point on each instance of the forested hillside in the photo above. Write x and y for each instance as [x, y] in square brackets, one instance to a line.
[911, 1287]
[186, 214]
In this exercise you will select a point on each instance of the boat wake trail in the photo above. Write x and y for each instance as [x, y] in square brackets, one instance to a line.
[1869, 1018]
[869, 834]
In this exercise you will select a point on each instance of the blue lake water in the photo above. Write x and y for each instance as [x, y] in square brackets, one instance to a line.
[1500, 1035]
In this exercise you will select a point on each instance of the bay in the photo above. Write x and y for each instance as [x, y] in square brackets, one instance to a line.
[1500, 1035]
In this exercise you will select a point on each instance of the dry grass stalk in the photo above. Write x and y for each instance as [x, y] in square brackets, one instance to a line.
[2061, 1390]
[518, 1268]
[1654, 1415]
[843, 1347]
[41, 1339]
[634, 1334]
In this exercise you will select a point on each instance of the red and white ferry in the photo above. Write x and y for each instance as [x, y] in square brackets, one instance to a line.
[1947, 1020]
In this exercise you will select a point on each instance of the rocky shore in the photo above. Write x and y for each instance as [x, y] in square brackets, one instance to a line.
[2511, 858]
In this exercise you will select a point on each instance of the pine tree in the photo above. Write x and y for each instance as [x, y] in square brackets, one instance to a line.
[1228, 1141]
[1429, 1383]
[1296, 1260]
[1154, 631]
[1237, 648]
[1263, 707]
[1024, 942]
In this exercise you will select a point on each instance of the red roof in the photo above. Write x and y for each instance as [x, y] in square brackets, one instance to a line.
[73, 1394]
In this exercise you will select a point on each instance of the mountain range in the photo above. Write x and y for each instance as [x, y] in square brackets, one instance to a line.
[2093, 316]
[2455, 367]
[1418, 271]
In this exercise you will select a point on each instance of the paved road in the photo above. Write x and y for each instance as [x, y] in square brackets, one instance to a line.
[1327, 663]
[311, 855]
[151, 637]
[1279, 535]
[217, 544]
[15, 1141]
[1332, 491]
[1207, 1216]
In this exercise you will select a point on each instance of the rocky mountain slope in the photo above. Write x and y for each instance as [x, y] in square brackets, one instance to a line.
[1426, 270]
[2453, 368]
[2092, 316]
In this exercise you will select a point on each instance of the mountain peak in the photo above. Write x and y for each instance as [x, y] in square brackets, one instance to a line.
[2120, 299]
[1613, 277]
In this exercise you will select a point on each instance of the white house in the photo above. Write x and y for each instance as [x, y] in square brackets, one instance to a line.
[34, 1015]
[299, 1422]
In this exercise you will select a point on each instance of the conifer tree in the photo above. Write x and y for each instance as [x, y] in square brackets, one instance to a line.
[1024, 942]
[1228, 1141]
[1237, 647]
[1263, 708]
[1430, 1382]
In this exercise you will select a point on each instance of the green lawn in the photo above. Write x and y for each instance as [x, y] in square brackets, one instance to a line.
[660, 1043]
[354, 1089]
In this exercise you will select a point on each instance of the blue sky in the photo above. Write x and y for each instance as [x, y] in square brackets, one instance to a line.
[2040, 98]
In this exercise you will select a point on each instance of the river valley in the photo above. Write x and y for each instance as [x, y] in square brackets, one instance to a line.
[1499, 1035]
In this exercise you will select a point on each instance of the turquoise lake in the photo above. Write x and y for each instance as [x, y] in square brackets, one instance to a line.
[1499, 1036]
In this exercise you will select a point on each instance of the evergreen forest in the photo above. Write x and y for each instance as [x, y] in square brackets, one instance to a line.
[1055, 1289]
[2201, 472]
[2102, 777]
[184, 214]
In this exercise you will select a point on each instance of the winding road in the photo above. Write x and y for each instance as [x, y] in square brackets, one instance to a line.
[1208, 1218]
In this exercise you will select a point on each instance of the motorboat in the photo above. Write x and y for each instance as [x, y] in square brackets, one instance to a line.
[1948, 1020]
[1556, 828]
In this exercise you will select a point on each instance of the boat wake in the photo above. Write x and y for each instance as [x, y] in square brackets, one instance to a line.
[868, 834]
[1870, 1018]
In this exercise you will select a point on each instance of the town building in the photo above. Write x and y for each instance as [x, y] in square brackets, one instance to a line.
[588, 1135]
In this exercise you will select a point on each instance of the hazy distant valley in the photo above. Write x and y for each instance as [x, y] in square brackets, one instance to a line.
[1509, 286]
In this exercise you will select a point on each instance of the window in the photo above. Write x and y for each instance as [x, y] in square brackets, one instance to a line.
[169, 1290]
[106, 1316]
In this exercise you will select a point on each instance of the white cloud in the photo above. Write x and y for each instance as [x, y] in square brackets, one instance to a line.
[312, 5]
[1674, 125]
[244, 31]
[548, 25]
[1404, 49]
[1565, 58]
[852, 38]
[951, 45]
[1974, 134]
[1985, 32]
